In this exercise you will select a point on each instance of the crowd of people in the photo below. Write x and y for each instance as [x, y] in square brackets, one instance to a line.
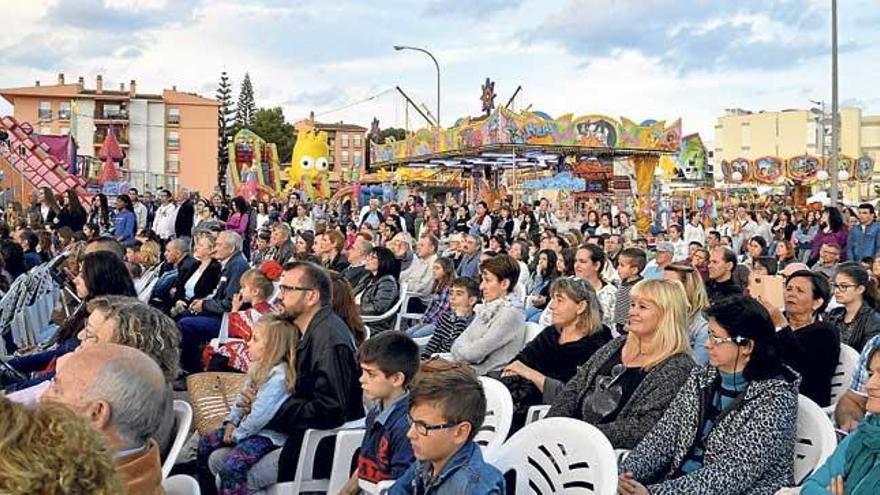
[660, 341]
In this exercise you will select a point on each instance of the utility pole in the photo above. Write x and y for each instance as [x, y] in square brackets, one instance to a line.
[835, 117]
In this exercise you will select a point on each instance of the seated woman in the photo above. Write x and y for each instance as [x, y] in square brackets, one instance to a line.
[544, 366]
[497, 333]
[538, 293]
[444, 274]
[101, 273]
[625, 387]
[811, 347]
[731, 428]
[856, 318]
[198, 281]
[698, 301]
[854, 466]
[380, 291]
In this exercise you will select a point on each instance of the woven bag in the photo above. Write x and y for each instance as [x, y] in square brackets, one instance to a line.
[212, 396]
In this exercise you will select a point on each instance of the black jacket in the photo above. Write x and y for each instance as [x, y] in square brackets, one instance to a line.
[283, 254]
[209, 279]
[327, 392]
[183, 224]
[355, 276]
[67, 218]
[721, 290]
[865, 325]
[378, 297]
[230, 278]
[338, 264]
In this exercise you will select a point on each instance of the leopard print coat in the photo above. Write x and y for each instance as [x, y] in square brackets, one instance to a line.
[750, 451]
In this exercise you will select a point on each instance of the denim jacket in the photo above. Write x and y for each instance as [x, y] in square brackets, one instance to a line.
[271, 394]
[863, 244]
[466, 472]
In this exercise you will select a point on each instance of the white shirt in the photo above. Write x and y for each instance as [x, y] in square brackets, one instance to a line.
[681, 250]
[163, 224]
[694, 233]
[419, 277]
[140, 213]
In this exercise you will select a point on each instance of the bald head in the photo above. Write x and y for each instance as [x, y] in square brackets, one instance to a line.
[120, 390]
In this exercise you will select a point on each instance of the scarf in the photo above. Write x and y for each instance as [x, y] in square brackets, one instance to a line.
[862, 476]
[487, 312]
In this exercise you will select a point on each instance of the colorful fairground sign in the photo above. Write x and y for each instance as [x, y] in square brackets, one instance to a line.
[804, 169]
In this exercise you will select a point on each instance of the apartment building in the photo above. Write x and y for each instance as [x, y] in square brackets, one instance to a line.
[169, 138]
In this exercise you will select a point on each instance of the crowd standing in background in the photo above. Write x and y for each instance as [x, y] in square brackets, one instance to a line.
[390, 311]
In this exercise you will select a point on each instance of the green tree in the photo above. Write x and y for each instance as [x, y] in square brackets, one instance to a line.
[247, 106]
[269, 124]
[395, 132]
[225, 124]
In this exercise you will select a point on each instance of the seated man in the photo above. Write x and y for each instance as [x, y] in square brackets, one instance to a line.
[202, 322]
[446, 409]
[851, 407]
[177, 260]
[121, 392]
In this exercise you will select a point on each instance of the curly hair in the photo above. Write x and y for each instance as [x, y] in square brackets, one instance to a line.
[150, 254]
[144, 328]
[51, 451]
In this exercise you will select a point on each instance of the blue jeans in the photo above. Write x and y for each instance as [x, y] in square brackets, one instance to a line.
[195, 332]
[533, 314]
[418, 331]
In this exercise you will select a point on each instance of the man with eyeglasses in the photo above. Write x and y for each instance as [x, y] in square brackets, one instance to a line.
[829, 255]
[328, 393]
[471, 248]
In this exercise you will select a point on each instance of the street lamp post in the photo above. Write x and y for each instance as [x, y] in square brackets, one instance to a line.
[437, 65]
[835, 118]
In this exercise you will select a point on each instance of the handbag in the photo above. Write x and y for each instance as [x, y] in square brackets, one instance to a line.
[212, 396]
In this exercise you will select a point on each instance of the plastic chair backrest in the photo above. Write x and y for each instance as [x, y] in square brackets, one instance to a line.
[181, 484]
[499, 415]
[392, 311]
[532, 331]
[846, 367]
[815, 439]
[183, 414]
[559, 455]
[536, 413]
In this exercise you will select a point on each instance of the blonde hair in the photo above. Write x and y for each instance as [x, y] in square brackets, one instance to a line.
[51, 451]
[282, 339]
[697, 298]
[670, 298]
[149, 254]
[258, 280]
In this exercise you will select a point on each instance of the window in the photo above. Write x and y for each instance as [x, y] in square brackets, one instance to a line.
[45, 110]
[343, 140]
[64, 110]
[358, 159]
[357, 141]
[345, 156]
[174, 116]
[746, 135]
[173, 166]
[112, 111]
[173, 139]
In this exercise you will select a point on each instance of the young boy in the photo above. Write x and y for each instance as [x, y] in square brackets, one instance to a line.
[463, 296]
[389, 361]
[447, 408]
[631, 262]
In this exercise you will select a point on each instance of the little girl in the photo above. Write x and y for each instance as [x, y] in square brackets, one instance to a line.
[444, 273]
[244, 439]
[257, 286]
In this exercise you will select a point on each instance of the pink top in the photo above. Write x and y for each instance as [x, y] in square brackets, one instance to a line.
[237, 223]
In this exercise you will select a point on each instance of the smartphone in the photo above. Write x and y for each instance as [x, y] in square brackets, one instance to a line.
[770, 288]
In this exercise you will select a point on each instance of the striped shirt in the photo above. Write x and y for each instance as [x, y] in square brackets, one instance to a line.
[621, 307]
[449, 327]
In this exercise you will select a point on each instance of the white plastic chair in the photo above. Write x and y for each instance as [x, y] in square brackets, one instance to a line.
[532, 331]
[559, 455]
[303, 481]
[842, 377]
[536, 413]
[499, 415]
[404, 314]
[815, 439]
[183, 413]
[181, 484]
[391, 312]
[347, 443]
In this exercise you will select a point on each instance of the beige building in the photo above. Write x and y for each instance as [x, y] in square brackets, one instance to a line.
[169, 139]
[744, 134]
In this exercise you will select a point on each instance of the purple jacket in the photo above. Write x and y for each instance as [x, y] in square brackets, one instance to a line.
[822, 237]
[237, 223]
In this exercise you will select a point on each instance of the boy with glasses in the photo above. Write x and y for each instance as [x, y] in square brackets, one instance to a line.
[447, 408]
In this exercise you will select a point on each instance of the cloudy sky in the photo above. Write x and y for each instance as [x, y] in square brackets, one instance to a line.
[643, 59]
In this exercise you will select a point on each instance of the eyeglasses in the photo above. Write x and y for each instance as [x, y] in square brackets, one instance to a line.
[722, 340]
[282, 289]
[843, 287]
[425, 429]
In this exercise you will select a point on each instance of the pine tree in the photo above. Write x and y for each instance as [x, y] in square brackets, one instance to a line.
[225, 123]
[247, 107]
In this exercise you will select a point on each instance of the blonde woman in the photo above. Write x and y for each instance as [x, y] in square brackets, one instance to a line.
[48, 450]
[628, 383]
[698, 302]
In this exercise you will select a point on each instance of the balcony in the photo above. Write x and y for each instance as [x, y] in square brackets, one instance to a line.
[44, 114]
[101, 134]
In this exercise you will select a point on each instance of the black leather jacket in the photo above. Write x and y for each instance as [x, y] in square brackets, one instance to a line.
[865, 325]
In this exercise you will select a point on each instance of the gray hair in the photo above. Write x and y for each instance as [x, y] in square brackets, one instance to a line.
[477, 239]
[232, 239]
[284, 228]
[364, 246]
[179, 245]
[133, 386]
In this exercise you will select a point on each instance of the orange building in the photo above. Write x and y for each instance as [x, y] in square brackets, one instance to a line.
[170, 139]
[347, 144]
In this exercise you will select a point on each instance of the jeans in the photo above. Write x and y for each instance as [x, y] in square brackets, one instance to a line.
[233, 464]
[533, 314]
[195, 332]
[419, 331]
